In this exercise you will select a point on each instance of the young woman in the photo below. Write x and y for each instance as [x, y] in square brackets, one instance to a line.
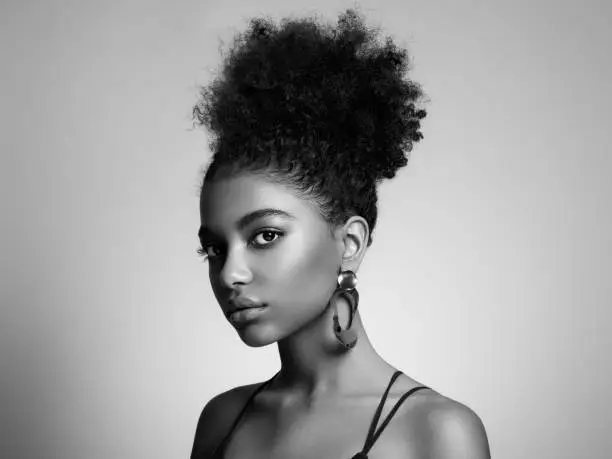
[306, 120]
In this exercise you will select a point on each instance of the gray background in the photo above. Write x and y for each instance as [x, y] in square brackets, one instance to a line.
[489, 277]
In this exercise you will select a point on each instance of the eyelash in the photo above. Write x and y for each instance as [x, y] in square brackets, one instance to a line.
[201, 251]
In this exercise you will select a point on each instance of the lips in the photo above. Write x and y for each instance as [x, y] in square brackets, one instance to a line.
[238, 304]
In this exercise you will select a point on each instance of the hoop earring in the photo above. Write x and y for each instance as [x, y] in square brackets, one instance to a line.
[347, 281]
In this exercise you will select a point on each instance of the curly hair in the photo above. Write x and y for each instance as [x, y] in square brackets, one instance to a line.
[326, 110]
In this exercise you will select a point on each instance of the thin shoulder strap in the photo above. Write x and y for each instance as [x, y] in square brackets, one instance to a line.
[221, 446]
[373, 434]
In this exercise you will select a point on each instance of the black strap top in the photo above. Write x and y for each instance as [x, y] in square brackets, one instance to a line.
[373, 433]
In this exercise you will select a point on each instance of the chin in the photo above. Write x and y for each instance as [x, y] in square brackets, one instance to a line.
[256, 336]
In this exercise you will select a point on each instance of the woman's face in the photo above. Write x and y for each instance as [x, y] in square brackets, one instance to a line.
[266, 244]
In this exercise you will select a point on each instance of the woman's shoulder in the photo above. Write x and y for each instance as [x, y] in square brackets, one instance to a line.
[448, 428]
[217, 417]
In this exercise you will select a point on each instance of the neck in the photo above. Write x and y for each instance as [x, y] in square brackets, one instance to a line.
[314, 366]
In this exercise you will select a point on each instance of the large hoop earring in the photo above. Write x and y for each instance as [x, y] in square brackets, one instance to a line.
[347, 281]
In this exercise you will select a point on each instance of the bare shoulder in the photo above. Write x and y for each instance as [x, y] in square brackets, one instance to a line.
[217, 418]
[448, 429]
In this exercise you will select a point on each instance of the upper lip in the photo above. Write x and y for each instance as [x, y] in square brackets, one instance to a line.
[242, 303]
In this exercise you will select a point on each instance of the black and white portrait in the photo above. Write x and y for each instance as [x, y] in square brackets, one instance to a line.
[300, 230]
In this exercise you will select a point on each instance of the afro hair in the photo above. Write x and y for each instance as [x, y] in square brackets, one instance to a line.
[328, 110]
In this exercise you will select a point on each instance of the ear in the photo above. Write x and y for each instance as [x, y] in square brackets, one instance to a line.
[354, 235]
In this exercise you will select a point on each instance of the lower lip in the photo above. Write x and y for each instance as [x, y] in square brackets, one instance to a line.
[245, 316]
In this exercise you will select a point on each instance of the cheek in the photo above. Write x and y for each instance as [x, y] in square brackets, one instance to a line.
[213, 277]
[304, 277]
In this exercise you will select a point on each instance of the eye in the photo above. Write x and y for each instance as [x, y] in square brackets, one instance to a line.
[261, 239]
[266, 237]
[205, 251]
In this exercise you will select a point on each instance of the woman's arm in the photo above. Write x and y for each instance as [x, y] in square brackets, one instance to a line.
[206, 435]
[456, 432]
[217, 418]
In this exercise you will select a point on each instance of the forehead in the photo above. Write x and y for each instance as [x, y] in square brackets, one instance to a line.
[223, 201]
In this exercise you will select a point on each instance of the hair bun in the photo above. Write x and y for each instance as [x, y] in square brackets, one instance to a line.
[340, 91]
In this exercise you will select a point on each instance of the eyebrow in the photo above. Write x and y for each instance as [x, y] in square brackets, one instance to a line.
[249, 218]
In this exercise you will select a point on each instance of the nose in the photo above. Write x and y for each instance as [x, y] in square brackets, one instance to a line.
[235, 269]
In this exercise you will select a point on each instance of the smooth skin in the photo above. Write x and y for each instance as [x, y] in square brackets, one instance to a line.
[322, 402]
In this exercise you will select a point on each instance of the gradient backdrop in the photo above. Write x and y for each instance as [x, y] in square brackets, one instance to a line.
[489, 278]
